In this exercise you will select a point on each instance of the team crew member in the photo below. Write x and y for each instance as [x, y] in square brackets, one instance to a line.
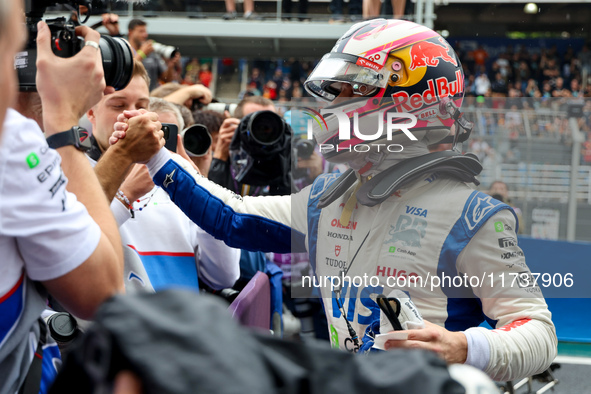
[54, 240]
[163, 248]
[403, 213]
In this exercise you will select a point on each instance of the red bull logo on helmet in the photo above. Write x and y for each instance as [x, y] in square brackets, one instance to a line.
[428, 53]
[436, 90]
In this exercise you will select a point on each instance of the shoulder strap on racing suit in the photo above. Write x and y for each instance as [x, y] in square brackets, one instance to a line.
[464, 309]
[336, 189]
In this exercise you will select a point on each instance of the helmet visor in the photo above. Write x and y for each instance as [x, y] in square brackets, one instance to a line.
[326, 79]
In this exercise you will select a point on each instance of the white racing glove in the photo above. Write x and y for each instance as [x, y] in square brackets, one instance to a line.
[397, 312]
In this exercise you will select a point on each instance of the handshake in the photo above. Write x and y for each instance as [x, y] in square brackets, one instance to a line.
[139, 135]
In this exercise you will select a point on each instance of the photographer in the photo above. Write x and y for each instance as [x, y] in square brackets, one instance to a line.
[268, 173]
[159, 67]
[221, 166]
[212, 121]
[183, 94]
[54, 240]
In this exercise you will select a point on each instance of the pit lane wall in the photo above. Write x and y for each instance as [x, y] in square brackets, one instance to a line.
[571, 316]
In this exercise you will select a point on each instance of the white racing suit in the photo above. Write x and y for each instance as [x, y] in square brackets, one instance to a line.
[418, 240]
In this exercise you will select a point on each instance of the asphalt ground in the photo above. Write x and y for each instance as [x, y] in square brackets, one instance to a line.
[574, 377]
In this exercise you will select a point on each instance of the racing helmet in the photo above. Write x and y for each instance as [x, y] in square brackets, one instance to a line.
[392, 66]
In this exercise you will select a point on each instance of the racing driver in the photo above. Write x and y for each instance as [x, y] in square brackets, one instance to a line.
[399, 212]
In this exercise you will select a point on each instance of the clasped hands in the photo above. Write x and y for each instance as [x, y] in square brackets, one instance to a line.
[139, 133]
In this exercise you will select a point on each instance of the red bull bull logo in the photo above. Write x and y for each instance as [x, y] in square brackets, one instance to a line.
[428, 54]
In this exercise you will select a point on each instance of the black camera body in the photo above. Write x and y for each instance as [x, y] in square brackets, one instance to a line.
[64, 43]
[116, 53]
[260, 150]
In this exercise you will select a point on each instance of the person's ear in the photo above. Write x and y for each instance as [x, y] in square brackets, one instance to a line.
[91, 117]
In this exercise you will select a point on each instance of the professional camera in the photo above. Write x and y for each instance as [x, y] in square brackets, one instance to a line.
[262, 133]
[260, 150]
[116, 52]
[166, 51]
[197, 140]
[217, 107]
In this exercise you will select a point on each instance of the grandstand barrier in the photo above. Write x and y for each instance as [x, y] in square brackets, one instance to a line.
[546, 182]
[570, 315]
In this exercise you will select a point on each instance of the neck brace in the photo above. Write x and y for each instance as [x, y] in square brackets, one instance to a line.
[373, 163]
[380, 187]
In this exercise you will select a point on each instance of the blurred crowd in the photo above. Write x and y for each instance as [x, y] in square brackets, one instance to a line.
[517, 94]
[338, 11]
[279, 80]
[519, 72]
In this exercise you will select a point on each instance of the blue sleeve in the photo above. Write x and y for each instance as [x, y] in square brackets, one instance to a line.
[238, 230]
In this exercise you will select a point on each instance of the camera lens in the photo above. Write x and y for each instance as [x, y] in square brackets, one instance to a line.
[197, 140]
[166, 51]
[117, 61]
[266, 127]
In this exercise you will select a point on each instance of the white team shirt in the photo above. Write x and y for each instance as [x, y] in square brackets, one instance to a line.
[44, 234]
[173, 249]
[43, 228]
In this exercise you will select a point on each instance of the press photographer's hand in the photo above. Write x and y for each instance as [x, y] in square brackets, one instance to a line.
[227, 130]
[147, 48]
[111, 23]
[188, 94]
[201, 93]
[68, 86]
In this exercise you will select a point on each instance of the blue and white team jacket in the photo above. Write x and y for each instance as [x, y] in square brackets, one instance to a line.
[453, 249]
[164, 249]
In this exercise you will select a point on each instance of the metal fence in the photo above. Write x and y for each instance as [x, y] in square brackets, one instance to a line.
[541, 149]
